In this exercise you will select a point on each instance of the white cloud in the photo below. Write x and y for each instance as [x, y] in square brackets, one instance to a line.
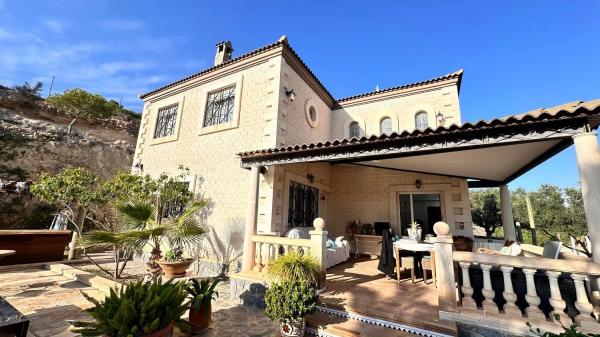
[56, 26]
[122, 25]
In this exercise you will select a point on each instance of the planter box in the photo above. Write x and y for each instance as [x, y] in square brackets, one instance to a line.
[33, 246]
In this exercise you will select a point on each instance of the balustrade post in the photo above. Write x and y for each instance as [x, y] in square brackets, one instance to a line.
[318, 238]
[532, 311]
[444, 266]
[510, 308]
[267, 257]
[466, 288]
[489, 306]
[556, 301]
[258, 262]
[583, 305]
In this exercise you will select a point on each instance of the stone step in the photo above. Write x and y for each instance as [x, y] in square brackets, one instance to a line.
[327, 322]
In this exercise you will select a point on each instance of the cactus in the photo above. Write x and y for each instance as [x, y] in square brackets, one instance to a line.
[138, 309]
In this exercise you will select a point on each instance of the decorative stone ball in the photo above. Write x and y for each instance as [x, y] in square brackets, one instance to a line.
[319, 224]
[441, 228]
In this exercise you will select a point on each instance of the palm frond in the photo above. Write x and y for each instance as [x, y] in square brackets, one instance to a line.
[136, 213]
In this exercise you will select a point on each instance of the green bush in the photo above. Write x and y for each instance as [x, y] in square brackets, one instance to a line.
[294, 266]
[290, 301]
[140, 308]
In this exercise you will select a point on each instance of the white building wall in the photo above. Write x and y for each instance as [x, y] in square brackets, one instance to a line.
[211, 154]
[402, 109]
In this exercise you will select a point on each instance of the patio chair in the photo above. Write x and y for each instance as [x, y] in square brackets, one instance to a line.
[408, 262]
[552, 249]
[428, 263]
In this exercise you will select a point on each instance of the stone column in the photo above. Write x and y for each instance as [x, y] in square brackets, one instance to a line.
[318, 238]
[251, 217]
[444, 265]
[508, 223]
[588, 163]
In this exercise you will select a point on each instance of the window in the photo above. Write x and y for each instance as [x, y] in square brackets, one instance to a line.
[422, 208]
[303, 206]
[312, 115]
[421, 121]
[385, 126]
[219, 106]
[354, 130]
[165, 121]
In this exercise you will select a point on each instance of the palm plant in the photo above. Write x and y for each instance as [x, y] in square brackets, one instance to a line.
[144, 223]
[294, 266]
[202, 293]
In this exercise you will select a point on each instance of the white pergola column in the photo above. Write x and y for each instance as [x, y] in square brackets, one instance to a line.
[251, 217]
[508, 223]
[588, 163]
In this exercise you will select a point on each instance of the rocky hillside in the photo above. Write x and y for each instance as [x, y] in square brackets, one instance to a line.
[34, 139]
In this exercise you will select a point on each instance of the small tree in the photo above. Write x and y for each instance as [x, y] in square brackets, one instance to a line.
[27, 93]
[73, 189]
[485, 210]
[78, 103]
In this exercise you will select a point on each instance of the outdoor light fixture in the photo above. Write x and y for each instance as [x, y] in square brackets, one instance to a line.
[138, 168]
[418, 184]
[323, 196]
[310, 177]
[439, 117]
[290, 94]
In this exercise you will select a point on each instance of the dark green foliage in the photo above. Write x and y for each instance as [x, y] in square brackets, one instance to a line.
[290, 301]
[570, 331]
[138, 309]
[202, 293]
[485, 210]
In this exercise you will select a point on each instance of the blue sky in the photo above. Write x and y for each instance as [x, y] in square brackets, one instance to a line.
[517, 55]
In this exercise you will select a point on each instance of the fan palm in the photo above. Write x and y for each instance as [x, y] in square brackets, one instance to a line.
[143, 223]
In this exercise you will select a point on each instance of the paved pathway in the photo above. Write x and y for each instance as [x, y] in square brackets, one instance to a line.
[50, 300]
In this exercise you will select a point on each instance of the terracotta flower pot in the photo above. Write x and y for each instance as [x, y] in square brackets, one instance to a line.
[174, 269]
[292, 328]
[200, 319]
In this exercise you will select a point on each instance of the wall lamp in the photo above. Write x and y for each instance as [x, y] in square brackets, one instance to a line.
[290, 94]
[418, 184]
[311, 178]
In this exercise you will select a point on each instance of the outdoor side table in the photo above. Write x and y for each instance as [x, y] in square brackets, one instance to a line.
[12, 322]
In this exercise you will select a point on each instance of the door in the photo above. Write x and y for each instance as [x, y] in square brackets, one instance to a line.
[422, 208]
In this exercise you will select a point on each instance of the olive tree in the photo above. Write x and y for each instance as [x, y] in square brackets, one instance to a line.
[78, 103]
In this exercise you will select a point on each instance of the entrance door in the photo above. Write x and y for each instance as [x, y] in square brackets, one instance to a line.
[422, 208]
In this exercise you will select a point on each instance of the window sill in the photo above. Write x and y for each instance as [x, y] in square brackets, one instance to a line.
[218, 128]
[162, 140]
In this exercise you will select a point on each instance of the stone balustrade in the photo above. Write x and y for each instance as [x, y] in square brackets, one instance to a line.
[485, 292]
[268, 248]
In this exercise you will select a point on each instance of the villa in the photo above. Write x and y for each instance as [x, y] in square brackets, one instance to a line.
[274, 150]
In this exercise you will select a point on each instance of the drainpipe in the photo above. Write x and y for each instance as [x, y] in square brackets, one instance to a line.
[251, 217]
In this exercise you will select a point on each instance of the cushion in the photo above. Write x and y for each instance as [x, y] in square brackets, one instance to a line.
[330, 244]
[338, 241]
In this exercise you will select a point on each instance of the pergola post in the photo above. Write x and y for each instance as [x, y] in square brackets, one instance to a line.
[508, 223]
[251, 217]
[588, 164]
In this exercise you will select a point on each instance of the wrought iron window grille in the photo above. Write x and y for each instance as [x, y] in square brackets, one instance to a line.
[165, 121]
[303, 205]
[219, 106]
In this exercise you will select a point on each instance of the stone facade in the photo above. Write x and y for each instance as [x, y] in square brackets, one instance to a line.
[265, 117]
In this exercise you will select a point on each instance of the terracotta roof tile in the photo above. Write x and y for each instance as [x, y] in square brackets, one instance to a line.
[567, 110]
[457, 74]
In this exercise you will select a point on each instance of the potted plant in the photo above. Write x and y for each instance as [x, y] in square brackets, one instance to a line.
[173, 264]
[414, 232]
[201, 295]
[289, 302]
[140, 309]
[295, 266]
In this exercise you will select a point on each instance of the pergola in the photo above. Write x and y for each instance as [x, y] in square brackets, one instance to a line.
[488, 153]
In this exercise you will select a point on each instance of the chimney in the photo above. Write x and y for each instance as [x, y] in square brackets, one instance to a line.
[224, 50]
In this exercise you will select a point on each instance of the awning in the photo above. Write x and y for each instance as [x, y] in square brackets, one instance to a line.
[491, 152]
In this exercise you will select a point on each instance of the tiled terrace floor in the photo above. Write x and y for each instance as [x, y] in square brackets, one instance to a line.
[358, 286]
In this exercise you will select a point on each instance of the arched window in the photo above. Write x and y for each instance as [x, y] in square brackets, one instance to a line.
[421, 121]
[354, 130]
[385, 126]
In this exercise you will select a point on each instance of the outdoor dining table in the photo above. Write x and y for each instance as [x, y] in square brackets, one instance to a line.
[411, 245]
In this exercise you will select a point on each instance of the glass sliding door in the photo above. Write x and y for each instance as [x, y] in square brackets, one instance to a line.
[423, 208]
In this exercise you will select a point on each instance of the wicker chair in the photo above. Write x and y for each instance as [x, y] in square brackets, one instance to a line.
[428, 263]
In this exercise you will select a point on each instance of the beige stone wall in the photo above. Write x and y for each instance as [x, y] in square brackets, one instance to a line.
[370, 194]
[294, 128]
[400, 107]
[211, 153]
